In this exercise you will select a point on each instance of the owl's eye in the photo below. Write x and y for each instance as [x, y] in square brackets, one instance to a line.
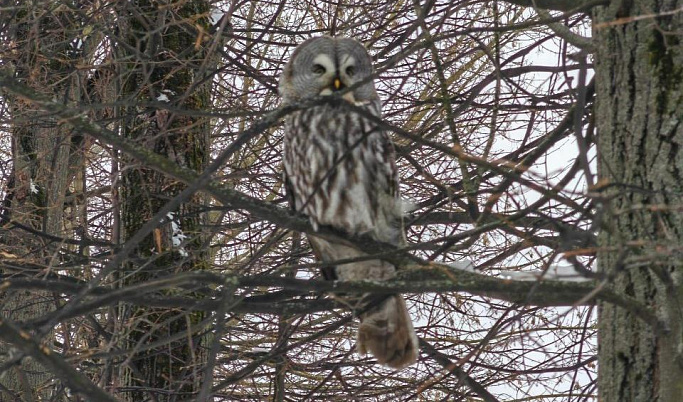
[317, 69]
[350, 71]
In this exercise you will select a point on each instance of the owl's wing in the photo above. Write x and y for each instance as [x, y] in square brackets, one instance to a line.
[391, 169]
[392, 192]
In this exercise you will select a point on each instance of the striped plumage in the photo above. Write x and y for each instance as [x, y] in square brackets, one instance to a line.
[341, 172]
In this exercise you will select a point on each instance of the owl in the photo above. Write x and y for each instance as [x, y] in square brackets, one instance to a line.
[340, 171]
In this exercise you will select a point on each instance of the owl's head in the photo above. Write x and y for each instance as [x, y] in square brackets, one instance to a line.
[324, 65]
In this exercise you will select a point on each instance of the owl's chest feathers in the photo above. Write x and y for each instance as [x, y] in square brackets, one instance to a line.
[337, 163]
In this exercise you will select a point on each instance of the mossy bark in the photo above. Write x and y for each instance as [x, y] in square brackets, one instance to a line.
[639, 75]
[164, 70]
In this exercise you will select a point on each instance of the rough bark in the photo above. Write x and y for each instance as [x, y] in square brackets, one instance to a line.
[167, 69]
[639, 72]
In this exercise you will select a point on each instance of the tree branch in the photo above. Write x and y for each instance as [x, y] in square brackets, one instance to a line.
[560, 5]
[419, 275]
[11, 333]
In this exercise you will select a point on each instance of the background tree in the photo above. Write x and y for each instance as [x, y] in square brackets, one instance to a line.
[42, 47]
[513, 154]
[162, 61]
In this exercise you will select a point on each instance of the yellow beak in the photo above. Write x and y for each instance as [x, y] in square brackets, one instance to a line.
[337, 83]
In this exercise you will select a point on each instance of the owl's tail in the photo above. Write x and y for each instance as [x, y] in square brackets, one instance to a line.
[386, 331]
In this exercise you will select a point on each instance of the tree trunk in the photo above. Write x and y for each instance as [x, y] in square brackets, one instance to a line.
[639, 70]
[44, 155]
[168, 69]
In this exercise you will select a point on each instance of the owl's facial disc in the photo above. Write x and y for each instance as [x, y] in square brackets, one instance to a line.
[334, 78]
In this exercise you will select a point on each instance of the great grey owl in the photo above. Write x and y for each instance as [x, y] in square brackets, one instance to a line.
[340, 169]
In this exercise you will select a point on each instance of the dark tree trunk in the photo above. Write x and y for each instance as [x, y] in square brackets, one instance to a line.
[169, 68]
[639, 71]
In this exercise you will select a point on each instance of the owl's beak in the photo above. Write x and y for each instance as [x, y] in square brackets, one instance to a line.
[338, 85]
